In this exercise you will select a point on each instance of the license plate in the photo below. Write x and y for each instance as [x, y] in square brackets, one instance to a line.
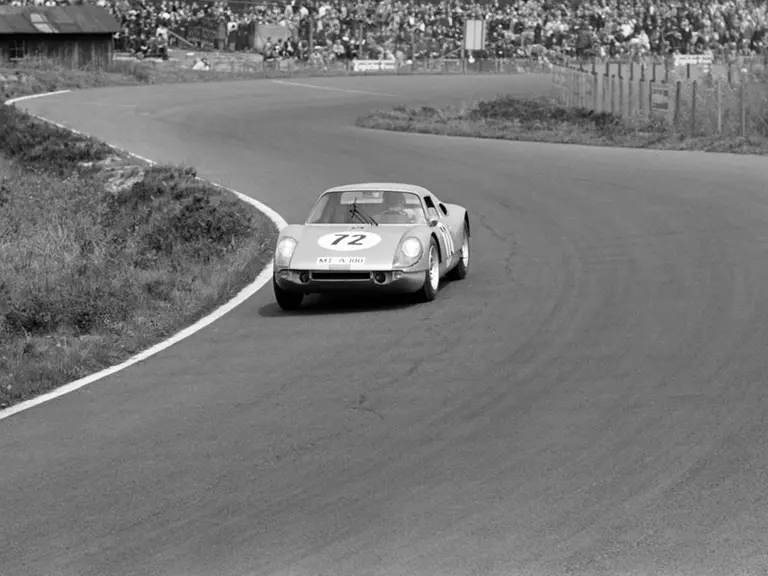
[340, 260]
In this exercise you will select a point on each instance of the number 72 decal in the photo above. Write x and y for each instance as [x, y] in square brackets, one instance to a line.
[348, 241]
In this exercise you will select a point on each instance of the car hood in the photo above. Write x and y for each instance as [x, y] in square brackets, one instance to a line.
[376, 244]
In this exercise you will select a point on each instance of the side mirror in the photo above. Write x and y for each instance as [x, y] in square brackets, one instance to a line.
[433, 222]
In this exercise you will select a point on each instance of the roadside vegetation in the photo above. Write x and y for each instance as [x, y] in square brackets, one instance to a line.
[545, 120]
[101, 256]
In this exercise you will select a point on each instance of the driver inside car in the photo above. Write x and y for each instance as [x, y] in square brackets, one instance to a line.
[397, 210]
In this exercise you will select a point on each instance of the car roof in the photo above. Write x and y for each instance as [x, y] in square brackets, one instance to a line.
[386, 186]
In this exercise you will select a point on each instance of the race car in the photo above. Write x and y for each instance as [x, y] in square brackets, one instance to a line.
[384, 238]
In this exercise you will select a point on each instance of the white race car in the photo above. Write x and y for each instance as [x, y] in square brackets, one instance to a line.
[372, 237]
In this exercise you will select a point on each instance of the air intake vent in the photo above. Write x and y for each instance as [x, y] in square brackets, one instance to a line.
[331, 276]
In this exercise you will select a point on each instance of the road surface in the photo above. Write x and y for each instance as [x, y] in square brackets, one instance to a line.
[591, 400]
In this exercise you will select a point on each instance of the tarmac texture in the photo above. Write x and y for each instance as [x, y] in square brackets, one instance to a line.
[591, 400]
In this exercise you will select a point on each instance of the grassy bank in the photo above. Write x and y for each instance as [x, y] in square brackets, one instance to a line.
[101, 257]
[544, 120]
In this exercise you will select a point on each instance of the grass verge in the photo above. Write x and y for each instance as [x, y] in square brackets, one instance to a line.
[544, 120]
[102, 256]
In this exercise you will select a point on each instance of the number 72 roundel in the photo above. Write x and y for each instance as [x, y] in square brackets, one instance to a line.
[348, 241]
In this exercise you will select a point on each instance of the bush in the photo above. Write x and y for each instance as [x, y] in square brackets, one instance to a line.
[170, 212]
[97, 263]
[545, 120]
[540, 111]
[40, 145]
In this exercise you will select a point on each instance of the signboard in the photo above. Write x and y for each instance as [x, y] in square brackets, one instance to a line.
[660, 100]
[692, 59]
[374, 65]
[474, 35]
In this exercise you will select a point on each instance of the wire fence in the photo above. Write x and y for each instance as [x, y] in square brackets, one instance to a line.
[694, 101]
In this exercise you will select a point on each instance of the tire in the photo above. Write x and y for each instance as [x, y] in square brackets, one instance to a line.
[287, 300]
[460, 271]
[429, 291]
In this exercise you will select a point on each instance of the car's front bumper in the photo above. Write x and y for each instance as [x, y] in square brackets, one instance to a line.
[320, 281]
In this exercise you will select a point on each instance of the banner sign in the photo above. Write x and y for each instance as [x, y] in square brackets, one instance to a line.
[692, 59]
[374, 65]
[704, 60]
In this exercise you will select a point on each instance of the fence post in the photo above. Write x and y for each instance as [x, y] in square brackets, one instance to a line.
[630, 91]
[554, 82]
[743, 109]
[650, 99]
[621, 91]
[694, 89]
[613, 93]
[676, 115]
[594, 90]
[577, 95]
[719, 101]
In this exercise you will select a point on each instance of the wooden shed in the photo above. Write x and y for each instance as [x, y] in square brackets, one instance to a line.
[71, 36]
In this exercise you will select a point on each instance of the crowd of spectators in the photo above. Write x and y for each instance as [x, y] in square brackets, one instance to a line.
[516, 28]
[418, 28]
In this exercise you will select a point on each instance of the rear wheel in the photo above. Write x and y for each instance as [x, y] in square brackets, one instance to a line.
[460, 271]
[287, 300]
[432, 281]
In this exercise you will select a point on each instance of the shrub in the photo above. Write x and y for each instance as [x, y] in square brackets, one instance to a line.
[40, 145]
[98, 263]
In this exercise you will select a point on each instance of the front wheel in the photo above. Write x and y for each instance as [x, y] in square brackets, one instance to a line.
[460, 271]
[432, 281]
[287, 300]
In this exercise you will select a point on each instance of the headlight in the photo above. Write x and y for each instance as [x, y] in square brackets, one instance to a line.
[284, 252]
[408, 253]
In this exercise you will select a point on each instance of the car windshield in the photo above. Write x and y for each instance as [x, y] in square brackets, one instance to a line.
[384, 206]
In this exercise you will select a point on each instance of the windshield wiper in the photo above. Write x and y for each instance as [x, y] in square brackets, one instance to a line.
[355, 211]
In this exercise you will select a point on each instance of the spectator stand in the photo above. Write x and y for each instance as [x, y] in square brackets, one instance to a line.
[428, 35]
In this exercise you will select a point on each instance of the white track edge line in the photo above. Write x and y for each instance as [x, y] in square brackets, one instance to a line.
[248, 291]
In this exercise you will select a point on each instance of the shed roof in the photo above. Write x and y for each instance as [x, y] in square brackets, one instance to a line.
[85, 19]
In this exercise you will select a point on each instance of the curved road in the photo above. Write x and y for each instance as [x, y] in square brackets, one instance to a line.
[591, 400]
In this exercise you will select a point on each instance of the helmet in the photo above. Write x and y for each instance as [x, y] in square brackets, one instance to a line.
[396, 199]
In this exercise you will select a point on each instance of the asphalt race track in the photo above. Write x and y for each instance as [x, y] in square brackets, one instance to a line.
[592, 399]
